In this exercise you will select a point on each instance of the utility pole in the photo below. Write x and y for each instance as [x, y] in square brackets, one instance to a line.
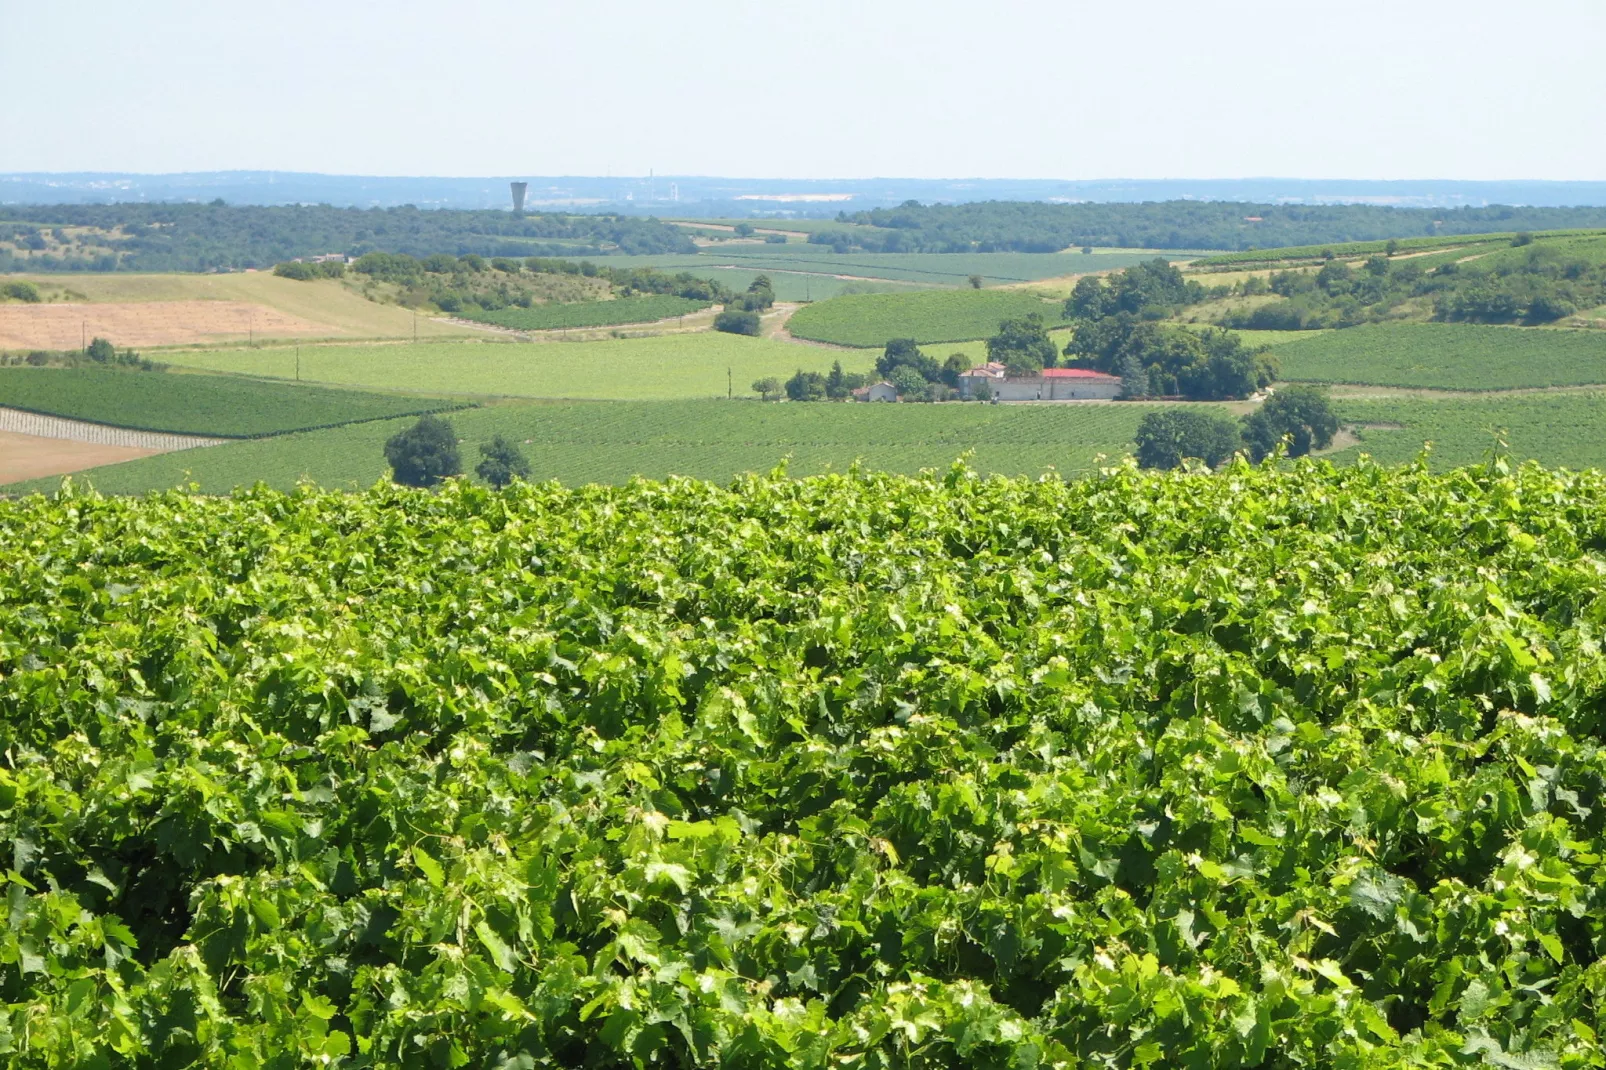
[415, 326]
[83, 337]
[298, 363]
[730, 384]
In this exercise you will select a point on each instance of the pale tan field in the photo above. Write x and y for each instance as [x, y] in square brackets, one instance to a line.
[32, 457]
[254, 304]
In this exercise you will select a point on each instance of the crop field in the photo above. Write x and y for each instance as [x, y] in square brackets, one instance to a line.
[182, 309]
[1448, 356]
[932, 269]
[931, 316]
[588, 313]
[578, 443]
[1366, 248]
[214, 405]
[1297, 768]
[1555, 429]
[702, 365]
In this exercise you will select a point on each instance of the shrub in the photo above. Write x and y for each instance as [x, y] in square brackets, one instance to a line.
[424, 454]
[21, 290]
[1303, 415]
[732, 321]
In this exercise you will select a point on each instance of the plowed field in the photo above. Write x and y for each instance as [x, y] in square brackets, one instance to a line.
[148, 323]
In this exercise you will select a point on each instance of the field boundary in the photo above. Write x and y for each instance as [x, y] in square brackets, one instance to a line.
[44, 425]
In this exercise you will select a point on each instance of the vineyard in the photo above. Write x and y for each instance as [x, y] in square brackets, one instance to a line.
[928, 316]
[196, 404]
[1557, 429]
[1448, 356]
[622, 311]
[1472, 243]
[1297, 767]
[578, 443]
[685, 365]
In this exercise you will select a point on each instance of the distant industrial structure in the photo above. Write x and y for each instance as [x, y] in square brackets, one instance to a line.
[519, 189]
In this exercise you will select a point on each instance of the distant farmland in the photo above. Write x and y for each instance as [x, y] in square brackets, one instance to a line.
[929, 317]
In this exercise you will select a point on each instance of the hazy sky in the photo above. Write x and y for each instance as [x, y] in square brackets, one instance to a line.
[1470, 89]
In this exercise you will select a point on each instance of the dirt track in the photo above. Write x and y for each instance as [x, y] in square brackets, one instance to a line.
[146, 323]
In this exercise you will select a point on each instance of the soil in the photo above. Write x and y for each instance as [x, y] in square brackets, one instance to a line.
[146, 323]
[32, 457]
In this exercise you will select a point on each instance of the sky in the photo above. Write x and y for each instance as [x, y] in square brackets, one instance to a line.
[1066, 89]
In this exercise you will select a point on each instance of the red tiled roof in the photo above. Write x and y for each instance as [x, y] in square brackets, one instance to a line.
[1078, 373]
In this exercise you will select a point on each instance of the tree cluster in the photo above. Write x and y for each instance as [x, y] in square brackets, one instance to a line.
[1034, 227]
[1296, 418]
[741, 314]
[426, 454]
[303, 271]
[1155, 359]
[1153, 290]
[1530, 283]
[217, 236]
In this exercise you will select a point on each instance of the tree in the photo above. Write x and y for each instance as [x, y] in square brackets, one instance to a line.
[101, 351]
[423, 454]
[743, 230]
[767, 386]
[1301, 414]
[1377, 265]
[501, 462]
[956, 365]
[21, 290]
[806, 386]
[975, 282]
[1023, 345]
[1134, 377]
[840, 384]
[1522, 238]
[733, 321]
[983, 390]
[1391, 247]
[1090, 299]
[904, 353]
[1166, 437]
[910, 384]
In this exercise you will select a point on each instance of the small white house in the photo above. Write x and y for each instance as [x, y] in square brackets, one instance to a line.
[882, 391]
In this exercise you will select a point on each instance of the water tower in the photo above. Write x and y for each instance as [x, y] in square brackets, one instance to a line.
[519, 189]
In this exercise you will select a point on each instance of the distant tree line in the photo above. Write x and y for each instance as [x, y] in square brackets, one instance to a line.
[1033, 227]
[218, 236]
[1530, 283]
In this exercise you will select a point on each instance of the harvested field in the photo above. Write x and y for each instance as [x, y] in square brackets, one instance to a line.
[34, 457]
[147, 323]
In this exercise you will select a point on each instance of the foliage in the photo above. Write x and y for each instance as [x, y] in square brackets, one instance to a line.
[927, 316]
[1023, 345]
[905, 353]
[304, 271]
[1207, 365]
[956, 365]
[1153, 290]
[839, 384]
[1167, 436]
[501, 462]
[20, 290]
[770, 386]
[423, 454]
[806, 386]
[586, 314]
[1293, 768]
[1449, 357]
[215, 405]
[734, 321]
[210, 237]
[988, 226]
[909, 383]
[1300, 416]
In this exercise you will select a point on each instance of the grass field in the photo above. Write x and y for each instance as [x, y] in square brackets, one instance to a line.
[329, 303]
[588, 313]
[1404, 245]
[215, 405]
[1556, 429]
[581, 443]
[929, 317]
[633, 369]
[1449, 356]
[932, 269]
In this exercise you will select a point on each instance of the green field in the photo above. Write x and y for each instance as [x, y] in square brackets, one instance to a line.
[929, 317]
[215, 405]
[692, 365]
[610, 442]
[588, 313]
[1448, 356]
[1556, 429]
[1366, 248]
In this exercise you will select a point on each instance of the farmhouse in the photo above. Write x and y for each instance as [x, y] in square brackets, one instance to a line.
[882, 391]
[1051, 384]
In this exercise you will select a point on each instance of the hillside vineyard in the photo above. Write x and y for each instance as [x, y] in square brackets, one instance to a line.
[1287, 767]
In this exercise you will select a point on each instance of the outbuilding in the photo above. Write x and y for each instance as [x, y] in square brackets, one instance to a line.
[1052, 384]
[882, 391]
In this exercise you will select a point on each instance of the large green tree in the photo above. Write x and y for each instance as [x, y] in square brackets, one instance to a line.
[424, 454]
[1166, 437]
[1023, 345]
[1301, 415]
[501, 462]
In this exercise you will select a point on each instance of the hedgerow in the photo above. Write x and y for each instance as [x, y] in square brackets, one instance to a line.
[1274, 767]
